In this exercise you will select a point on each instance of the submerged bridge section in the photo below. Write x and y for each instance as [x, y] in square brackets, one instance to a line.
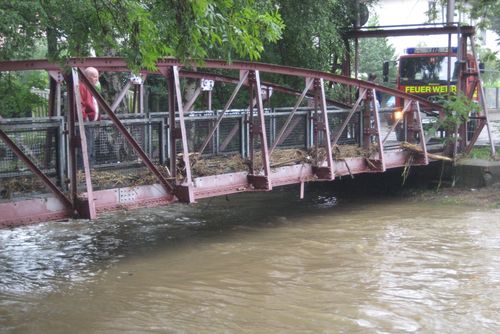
[223, 128]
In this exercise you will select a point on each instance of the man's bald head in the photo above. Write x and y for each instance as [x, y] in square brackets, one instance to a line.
[92, 74]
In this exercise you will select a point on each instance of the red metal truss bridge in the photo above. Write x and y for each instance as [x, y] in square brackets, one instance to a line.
[47, 148]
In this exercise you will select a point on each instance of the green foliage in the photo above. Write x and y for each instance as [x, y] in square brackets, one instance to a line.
[313, 37]
[19, 28]
[373, 52]
[487, 12]
[145, 30]
[483, 153]
[457, 109]
[491, 74]
[17, 98]
[142, 31]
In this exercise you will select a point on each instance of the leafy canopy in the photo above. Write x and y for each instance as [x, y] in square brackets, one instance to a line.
[313, 34]
[140, 30]
[17, 98]
[373, 52]
[486, 12]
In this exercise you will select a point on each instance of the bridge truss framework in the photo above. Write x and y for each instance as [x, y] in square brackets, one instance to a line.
[258, 136]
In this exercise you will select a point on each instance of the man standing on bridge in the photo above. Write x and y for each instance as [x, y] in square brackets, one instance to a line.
[90, 109]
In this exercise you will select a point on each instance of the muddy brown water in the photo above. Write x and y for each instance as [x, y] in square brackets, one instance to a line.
[258, 263]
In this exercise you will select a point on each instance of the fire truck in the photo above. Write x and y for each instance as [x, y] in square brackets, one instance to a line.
[427, 72]
[424, 71]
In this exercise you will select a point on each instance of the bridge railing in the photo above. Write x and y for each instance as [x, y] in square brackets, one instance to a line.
[110, 148]
[43, 141]
[46, 142]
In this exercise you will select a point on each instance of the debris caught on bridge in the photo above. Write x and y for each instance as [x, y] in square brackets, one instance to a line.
[221, 164]
[418, 149]
[201, 166]
[128, 177]
[343, 151]
[11, 187]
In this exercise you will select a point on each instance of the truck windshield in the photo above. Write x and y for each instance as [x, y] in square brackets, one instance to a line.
[426, 70]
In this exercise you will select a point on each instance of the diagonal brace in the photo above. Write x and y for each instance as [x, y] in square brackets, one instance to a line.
[189, 105]
[348, 118]
[226, 107]
[20, 154]
[309, 82]
[119, 125]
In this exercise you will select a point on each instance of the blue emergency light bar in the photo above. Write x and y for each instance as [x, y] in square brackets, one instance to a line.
[419, 50]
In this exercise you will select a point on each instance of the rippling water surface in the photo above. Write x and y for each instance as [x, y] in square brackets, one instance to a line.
[257, 263]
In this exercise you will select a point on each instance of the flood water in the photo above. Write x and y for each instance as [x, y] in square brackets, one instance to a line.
[258, 263]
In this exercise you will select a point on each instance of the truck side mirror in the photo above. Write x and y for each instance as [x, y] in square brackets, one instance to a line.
[385, 71]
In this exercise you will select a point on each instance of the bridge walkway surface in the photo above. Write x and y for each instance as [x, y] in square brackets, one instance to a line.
[221, 129]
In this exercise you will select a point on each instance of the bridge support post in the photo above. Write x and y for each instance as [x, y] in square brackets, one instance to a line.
[409, 119]
[424, 158]
[371, 128]
[484, 117]
[72, 145]
[376, 121]
[258, 129]
[184, 191]
[322, 133]
[85, 207]
[366, 121]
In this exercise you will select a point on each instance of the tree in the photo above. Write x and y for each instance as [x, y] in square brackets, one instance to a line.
[487, 12]
[17, 98]
[140, 30]
[315, 37]
[313, 34]
[373, 52]
[491, 72]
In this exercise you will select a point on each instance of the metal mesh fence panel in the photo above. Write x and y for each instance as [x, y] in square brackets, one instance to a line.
[230, 135]
[268, 124]
[157, 139]
[108, 146]
[114, 161]
[295, 133]
[226, 138]
[40, 141]
[350, 135]
[492, 95]
[197, 130]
